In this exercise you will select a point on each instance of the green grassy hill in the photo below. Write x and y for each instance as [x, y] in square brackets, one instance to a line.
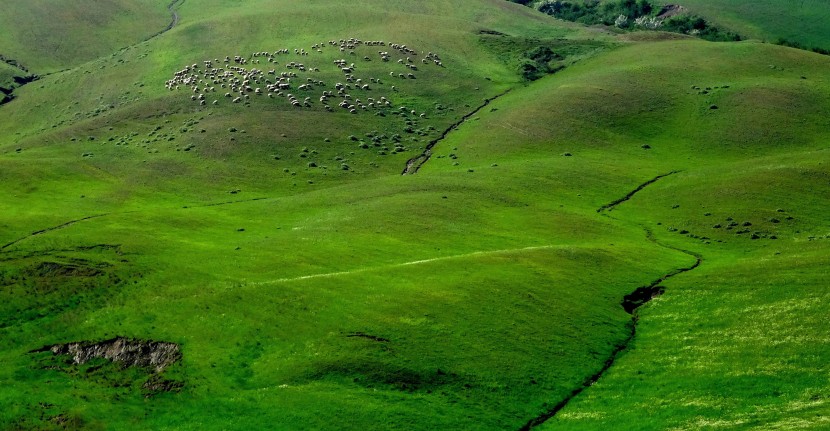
[309, 285]
[802, 21]
[720, 345]
[50, 35]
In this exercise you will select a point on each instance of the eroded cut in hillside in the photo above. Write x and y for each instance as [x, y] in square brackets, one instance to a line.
[126, 351]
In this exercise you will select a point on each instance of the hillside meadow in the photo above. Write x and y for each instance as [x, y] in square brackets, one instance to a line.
[307, 284]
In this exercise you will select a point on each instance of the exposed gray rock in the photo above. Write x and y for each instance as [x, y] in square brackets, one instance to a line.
[128, 352]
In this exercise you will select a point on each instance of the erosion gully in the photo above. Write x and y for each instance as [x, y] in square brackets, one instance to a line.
[631, 303]
[415, 163]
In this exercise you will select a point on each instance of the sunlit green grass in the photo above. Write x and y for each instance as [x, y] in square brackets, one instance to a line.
[489, 281]
[50, 35]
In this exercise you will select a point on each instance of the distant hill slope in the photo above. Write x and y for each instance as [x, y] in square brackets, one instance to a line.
[49, 35]
[802, 21]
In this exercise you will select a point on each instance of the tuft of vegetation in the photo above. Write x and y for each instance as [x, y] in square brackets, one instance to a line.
[539, 62]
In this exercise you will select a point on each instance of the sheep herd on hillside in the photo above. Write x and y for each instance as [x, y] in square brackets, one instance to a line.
[285, 74]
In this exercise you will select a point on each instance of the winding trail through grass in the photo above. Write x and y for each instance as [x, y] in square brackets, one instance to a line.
[403, 264]
[620, 348]
[415, 163]
[610, 206]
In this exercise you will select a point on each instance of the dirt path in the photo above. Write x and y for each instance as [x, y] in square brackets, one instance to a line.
[399, 265]
[610, 206]
[653, 289]
[415, 163]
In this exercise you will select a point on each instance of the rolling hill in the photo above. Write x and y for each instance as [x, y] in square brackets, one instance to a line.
[198, 234]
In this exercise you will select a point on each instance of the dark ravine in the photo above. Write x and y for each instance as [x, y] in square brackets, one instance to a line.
[367, 336]
[610, 206]
[415, 163]
[7, 94]
[13, 63]
[72, 222]
[49, 229]
[217, 204]
[631, 303]
[174, 19]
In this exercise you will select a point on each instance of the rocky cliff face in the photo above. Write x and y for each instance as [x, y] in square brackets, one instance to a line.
[129, 352]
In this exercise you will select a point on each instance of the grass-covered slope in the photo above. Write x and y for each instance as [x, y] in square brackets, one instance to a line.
[351, 298]
[802, 21]
[737, 341]
[308, 285]
[50, 35]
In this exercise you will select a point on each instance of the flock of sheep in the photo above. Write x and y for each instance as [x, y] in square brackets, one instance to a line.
[230, 79]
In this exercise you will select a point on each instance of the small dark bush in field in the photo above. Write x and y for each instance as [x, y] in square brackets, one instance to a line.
[645, 146]
[312, 165]
[537, 63]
